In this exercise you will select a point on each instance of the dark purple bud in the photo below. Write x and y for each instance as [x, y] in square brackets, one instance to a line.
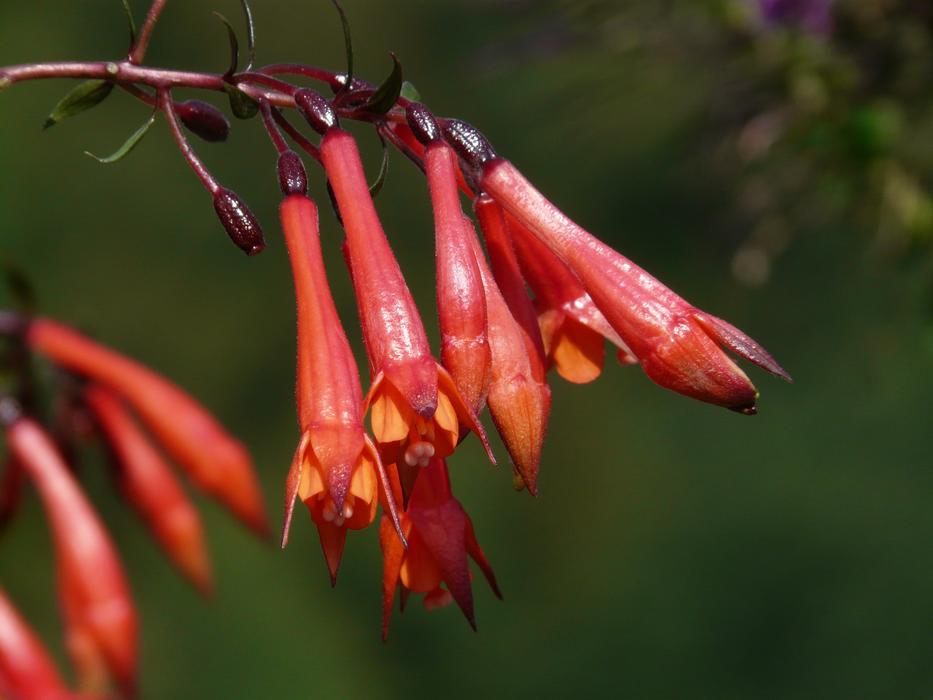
[422, 123]
[293, 179]
[316, 110]
[239, 222]
[203, 119]
[468, 142]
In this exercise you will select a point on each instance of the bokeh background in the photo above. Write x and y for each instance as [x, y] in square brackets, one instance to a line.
[771, 161]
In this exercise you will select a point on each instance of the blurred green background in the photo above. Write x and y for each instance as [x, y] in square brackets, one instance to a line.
[676, 550]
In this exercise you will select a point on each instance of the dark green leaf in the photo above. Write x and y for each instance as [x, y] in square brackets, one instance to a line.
[410, 92]
[84, 96]
[250, 35]
[242, 105]
[387, 94]
[348, 43]
[234, 45]
[128, 145]
[376, 187]
[130, 22]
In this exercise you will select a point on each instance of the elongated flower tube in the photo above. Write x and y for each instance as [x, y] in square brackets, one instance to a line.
[573, 329]
[152, 488]
[215, 461]
[93, 587]
[26, 670]
[678, 345]
[417, 411]
[461, 301]
[519, 397]
[440, 538]
[336, 465]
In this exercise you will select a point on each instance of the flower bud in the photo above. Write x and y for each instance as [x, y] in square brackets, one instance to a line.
[203, 119]
[239, 222]
[468, 142]
[316, 110]
[293, 178]
[422, 123]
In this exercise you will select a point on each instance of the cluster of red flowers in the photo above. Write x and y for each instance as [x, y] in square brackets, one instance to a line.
[100, 620]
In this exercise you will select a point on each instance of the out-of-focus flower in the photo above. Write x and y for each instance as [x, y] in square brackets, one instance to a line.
[151, 487]
[812, 15]
[416, 409]
[215, 460]
[677, 345]
[440, 538]
[100, 619]
[335, 467]
[26, 670]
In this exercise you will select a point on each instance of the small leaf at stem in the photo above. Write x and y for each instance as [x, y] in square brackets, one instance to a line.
[241, 105]
[88, 94]
[130, 21]
[410, 92]
[387, 94]
[376, 187]
[348, 44]
[250, 35]
[128, 145]
[234, 45]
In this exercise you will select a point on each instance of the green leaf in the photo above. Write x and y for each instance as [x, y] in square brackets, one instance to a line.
[387, 94]
[250, 35]
[242, 105]
[130, 21]
[410, 92]
[84, 96]
[234, 45]
[348, 43]
[128, 145]
[376, 187]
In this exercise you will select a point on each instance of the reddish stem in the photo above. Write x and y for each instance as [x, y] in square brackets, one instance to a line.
[168, 108]
[138, 52]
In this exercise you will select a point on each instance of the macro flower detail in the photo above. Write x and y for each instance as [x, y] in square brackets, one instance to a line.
[440, 538]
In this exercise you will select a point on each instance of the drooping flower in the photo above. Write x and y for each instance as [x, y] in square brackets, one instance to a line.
[573, 329]
[151, 487]
[677, 345]
[440, 538]
[336, 467]
[26, 670]
[100, 619]
[417, 411]
[215, 460]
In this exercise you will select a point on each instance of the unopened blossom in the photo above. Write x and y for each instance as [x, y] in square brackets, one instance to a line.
[216, 461]
[440, 538]
[100, 618]
[336, 468]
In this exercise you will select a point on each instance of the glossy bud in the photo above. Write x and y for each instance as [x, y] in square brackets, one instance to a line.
[203, 119]
[293, 178]
[239, 222]
[316, 110]
[422, 123]
[468, 142]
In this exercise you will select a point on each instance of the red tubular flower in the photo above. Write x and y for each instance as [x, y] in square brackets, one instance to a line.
[461, 302]
[96, 598]
[677, 344]
[417, 411]
[215, 461]
[519, 397]
[573, 329]
[26, 671]
[440, 537]
[152, 488]
[336, 465]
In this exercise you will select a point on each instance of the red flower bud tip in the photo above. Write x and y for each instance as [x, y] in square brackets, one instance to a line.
[293, 178]
[153, 490]
[572, 328]
[239, 222]
[508, 276]
[440, 538]
[678, 345]
[417, 411]
[336, 466]
[519, 398]
[93, 586]
[26, 670]
[461, 301]
[215, 461]
[203, 119]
